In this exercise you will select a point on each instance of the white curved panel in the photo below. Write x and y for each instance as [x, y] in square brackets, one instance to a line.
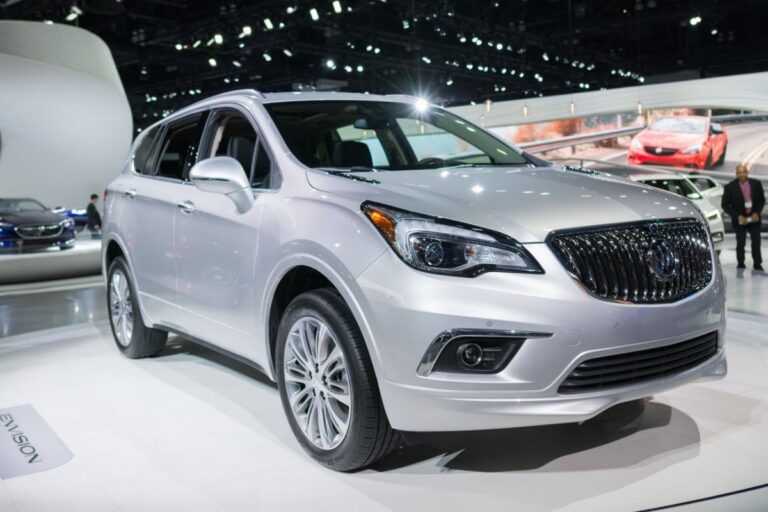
[65, 123]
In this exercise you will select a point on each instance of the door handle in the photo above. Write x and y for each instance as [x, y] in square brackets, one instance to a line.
[130, 194]
[186, 206]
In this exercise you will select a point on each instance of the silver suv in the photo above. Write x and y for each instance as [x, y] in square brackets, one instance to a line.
[395, 268]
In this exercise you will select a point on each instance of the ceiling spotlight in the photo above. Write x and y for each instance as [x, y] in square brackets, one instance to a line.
[287, 52]
[268, 24]
[212, 62]
[75, 9]
[695, 21]
[348, 69]
[360, 68]
[421, 105]
[71, 16]
[336, 6]
[545, 56]
[237, 64]
[426, 60]
[449, 81]
[267, 57]
[218, 38]
[197, 43]
[247, 30]
[330, 64]
[313, 14]
[290, 9]
[179, 46]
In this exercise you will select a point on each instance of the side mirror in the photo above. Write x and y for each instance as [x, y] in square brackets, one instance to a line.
[223, 175]
[715, 130]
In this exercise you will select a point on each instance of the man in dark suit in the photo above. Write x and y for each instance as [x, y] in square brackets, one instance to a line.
[744, 200]
[94, 219]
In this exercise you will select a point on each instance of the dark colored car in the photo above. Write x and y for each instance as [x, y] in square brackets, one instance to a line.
[78, 215]
[26, 225]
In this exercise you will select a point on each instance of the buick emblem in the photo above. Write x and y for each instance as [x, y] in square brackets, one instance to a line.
[662, 260]
[658, 151]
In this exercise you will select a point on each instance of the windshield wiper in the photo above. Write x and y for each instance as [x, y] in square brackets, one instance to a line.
[356, 168]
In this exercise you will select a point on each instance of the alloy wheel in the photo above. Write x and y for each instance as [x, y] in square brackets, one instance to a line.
[317, 383]
[121, 307]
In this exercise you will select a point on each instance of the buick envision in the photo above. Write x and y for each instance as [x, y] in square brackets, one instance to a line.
[396, 268]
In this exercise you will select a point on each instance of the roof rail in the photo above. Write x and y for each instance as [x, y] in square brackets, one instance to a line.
[235, 92]
[403, 96]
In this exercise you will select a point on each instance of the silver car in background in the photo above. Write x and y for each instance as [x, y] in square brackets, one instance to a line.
[395, 268]
[683, 186]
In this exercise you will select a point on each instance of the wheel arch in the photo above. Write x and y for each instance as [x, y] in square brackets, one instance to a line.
[303, 273]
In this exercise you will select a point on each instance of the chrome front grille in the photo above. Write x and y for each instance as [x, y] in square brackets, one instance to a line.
[44, 231]
[644, 263]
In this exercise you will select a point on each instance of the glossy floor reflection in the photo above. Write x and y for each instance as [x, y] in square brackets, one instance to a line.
[191, 430]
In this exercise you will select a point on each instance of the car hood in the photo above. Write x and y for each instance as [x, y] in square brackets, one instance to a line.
[670, 139]
[31, 218]
[524, 203]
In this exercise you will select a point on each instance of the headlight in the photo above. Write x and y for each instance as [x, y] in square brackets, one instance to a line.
[5, 225]
[434, 245]
[635, 144]
[692, 150]
[713, 215]
[67, 223]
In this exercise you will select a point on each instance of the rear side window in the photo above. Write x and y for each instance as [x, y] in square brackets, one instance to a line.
[141, 157]
[179, 147]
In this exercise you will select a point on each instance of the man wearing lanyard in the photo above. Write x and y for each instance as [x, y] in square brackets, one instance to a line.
[744, 200]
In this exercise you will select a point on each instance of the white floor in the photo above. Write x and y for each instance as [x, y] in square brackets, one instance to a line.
[191, 431]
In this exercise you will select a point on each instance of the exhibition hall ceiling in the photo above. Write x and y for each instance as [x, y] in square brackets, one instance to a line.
[172, 52]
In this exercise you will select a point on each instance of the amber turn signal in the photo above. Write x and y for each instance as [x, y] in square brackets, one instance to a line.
[383, 222]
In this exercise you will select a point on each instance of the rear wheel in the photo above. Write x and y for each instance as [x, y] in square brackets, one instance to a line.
[133, 338]
[327, 384]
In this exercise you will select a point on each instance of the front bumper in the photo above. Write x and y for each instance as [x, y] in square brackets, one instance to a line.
[26, 245]
[406, 309]
[693, 160]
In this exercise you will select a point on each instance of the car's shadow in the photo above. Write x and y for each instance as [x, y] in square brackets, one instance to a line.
[528, 448]
[565, 447]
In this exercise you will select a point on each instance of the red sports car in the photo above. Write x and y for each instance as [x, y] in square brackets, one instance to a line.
[680, 141]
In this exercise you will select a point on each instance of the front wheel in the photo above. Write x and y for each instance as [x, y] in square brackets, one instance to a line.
[327, 384]
[133, 338]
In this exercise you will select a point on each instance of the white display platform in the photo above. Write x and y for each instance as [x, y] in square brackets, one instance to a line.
[190, 430]
[82, 260]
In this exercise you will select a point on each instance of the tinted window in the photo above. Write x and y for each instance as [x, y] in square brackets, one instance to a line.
[143, 151]
[679, 124]
[233, 135]
[702, 183]
[385, 135]
[262, 169]
[20, 205]
[179, 149]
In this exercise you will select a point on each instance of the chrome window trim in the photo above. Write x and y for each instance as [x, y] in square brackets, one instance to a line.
[435, 348]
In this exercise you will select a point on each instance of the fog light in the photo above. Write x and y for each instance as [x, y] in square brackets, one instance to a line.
[470, 354]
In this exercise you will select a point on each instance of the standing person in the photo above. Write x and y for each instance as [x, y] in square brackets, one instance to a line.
[744, 200]
[94, 219]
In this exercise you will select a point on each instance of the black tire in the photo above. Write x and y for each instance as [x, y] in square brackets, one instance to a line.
[721, 160]
[369, 436]
[144, 341]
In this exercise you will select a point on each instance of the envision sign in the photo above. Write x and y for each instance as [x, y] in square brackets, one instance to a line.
[27, 443]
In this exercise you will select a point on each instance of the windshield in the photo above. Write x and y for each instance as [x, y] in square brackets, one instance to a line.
[384, 136]
[20, 205]
[679, 125]
[680, 187]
